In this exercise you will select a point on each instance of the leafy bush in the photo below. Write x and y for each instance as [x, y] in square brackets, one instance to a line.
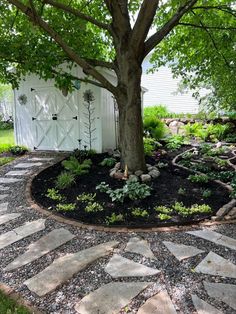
[163, 209]
[175, 141]
[65, 180]
[181, 191]
[233, 185]
[161, 165]
[54, 195]
[86, 197]
[194, 209]
[161, 112]
[133, 190]
[18, 150]
[93, 207]
[114, 218]
[149, 146]
[163, 216]
[65, 207]
[198, 178]
[224, 176]
[206, 193]
[139, 212]
[108, 162]
[201, 167]
[154, 127]
[75, 167]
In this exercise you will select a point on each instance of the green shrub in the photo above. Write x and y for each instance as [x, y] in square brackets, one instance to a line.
[163, 216]
[224, 176]
[154, 127]
[86, 197]
[206, 193]
[175, 141]
[18, 150]
[149, 146]
[163, 209]
[161, 112]
[114, 218]
[139, 212]
[198, 178]
[194, 209]
[65, 180]
[75, 167]
[65, 207]
[109, 162]
[93, 207]
[54, 195]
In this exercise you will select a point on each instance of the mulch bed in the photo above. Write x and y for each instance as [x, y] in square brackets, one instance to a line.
[164, 192]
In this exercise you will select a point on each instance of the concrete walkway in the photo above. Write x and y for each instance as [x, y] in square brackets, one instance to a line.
[59, 268]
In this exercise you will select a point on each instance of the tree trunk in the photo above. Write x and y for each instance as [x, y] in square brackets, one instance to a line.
[130, 122]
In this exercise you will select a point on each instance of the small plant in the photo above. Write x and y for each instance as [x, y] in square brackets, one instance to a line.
[18, 150]
[222, 163]
[198, 178]
[65, 207]
[64, 180]
[54, 195]
[182, 191]
[149, 146]
[187, 155]
[181, 209]
[224, 176]
[114, 218]
[194, 209]
[86, 197]
[175, 142]
[139, 212]
[233, 185]
[161, 165]
[109, 162]
[201, 167]
[75, 167]
[154, 127]
[206, 193]
[163, 216]
[93, 207]
[200, 209]
[163, 209]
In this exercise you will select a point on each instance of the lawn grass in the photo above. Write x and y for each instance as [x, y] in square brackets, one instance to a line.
[7, 137]
[5, 160]
[9, 306]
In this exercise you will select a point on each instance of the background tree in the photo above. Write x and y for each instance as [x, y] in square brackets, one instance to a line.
[41, 34]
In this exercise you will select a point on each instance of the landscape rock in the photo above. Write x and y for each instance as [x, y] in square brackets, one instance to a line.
[138, 173]
[203, 307]
[154, 173]
[139, 246]
[181, 251]
[226, 208]
[146, 178]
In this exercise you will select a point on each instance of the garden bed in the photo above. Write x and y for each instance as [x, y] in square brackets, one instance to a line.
[171, 188]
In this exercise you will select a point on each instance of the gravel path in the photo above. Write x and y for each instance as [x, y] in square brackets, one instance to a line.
[178, 278]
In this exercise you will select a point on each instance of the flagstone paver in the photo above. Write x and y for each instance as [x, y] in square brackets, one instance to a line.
[44, 245]
[4, 180]
[17, 173]
[4, 188]
[223, 292]
[65, 267]
[3, 207]
[120, 266]
[110, 298]
[181, 251]
[21, 232]
[39, 159]
[214, 264]
[139, 246]
[215, 237]
[28, 165]
[3, 196]
[8, 217]
[202, 307]
[158, 304]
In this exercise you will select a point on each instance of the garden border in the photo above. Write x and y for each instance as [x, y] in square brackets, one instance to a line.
[76, 223]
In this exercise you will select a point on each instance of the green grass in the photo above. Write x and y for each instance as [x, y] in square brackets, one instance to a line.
[5, 160]
[7, 137]
[9, 306]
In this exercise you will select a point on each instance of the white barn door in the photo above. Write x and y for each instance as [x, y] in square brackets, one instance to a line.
[55, 119]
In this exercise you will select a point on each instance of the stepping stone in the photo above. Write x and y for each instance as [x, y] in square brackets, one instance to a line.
[17, 173]
[4, 188]
[203, 307]
[158, 304]
[222, 292]
[9, 180]
[43, 246]
[65, 267]
[181, 251]
[3, 207]
[139, 246]
[8, 217]
[110, 298]
[119, 266]
[40, 159]
[215, 237]
[21, 232]
[2, 196]
[28, 165]
[216, 265]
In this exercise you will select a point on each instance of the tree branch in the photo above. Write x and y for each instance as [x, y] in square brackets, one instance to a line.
[78, 13]
[88, 69]
[223, 8]
[143, 22]
[208, 27]
[156, 38]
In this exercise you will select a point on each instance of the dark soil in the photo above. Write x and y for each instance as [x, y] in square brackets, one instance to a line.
[164, 192]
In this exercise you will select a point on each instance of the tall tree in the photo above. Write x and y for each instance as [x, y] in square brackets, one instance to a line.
[41, 34]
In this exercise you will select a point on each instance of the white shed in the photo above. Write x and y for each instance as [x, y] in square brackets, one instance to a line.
[46, 119]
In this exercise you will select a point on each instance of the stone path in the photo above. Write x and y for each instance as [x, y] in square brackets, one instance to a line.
[66, 270]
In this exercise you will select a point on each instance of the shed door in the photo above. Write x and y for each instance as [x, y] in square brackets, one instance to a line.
[55, 119]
